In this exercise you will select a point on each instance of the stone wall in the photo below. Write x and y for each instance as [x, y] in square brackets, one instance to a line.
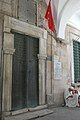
[27, 11]
[56, 49]
[9, 7]
[1, 57]
[60, 83]
[56, 82]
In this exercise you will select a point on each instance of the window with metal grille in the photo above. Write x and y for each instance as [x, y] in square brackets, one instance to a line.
[76, 54]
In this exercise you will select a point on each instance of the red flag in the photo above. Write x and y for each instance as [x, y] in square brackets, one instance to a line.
[49, 17]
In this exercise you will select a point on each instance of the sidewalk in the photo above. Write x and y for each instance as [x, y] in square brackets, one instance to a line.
[62, 113]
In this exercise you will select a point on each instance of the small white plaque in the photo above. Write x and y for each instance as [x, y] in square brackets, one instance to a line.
[57, 69]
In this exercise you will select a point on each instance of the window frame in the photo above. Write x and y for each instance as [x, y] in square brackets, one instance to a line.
[73, 60]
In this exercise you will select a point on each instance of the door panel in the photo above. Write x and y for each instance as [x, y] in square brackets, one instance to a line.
[33, 72]
[25, 72]
[18, 82]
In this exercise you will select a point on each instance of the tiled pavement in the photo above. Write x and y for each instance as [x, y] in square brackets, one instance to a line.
[62, 113]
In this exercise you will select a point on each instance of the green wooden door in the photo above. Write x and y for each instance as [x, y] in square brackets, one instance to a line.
[25, 72]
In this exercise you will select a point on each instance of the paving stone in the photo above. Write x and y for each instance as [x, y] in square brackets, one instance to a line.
[30, 115]
[62, 113]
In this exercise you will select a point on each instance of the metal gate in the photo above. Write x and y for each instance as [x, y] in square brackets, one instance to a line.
[25, 84]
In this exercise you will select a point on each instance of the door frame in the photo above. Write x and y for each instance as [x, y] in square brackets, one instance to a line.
[11, 24]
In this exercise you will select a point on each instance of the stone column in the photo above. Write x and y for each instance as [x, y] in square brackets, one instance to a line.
[42, 84]
[8, 50]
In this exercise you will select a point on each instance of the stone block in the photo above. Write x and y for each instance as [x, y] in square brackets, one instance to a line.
[6, 8]
[49, 50]
[49, 39]
[0, 5]
[50, 99]
[30, 115]
[45, 34]
[7, 1]
[8, 41]
[48, 77]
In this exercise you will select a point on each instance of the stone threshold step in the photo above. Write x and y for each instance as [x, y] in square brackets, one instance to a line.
[30, 115]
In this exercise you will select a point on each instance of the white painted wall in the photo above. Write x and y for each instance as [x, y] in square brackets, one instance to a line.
[75, 21]
[71, 8]
[64, 10]
[61, 6]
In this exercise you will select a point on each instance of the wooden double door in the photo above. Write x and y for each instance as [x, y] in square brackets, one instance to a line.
[25, 83]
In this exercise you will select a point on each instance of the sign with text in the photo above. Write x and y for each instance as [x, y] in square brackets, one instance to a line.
[57, 69]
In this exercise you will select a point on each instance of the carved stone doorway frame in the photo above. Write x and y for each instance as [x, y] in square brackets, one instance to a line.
[8, 51]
